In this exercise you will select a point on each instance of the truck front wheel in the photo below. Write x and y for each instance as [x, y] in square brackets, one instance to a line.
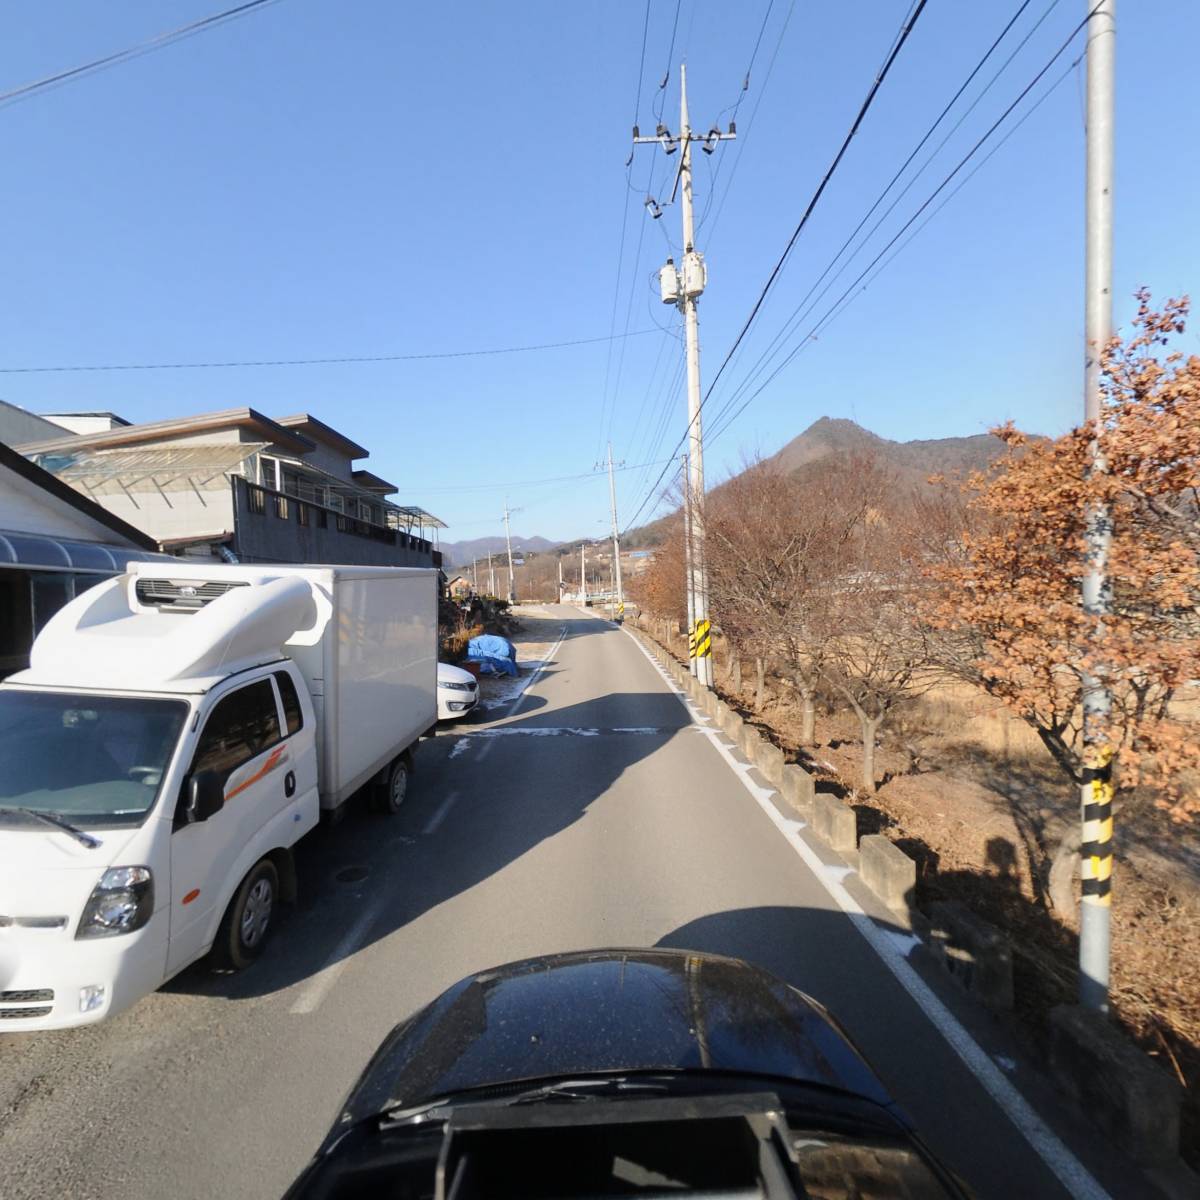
[247, 921]
[395, 788]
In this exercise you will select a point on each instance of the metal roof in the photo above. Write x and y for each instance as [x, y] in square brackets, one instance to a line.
[38, 550]
[154, 431]
[194, 467]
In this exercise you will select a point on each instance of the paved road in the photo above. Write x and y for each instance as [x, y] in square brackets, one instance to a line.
[596, 812]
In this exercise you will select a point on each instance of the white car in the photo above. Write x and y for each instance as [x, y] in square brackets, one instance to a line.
[457, 692]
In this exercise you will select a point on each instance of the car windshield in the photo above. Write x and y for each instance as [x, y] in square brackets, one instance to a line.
[93, 760]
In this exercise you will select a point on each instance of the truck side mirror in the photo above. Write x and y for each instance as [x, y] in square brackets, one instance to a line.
[205, 796]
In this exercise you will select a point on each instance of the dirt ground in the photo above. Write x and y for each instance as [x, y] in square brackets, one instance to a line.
[537, 631]
[969, 792]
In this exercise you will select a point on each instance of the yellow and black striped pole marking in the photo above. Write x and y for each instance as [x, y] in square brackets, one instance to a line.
[702, 638]
[692, 643]
[1096, 853]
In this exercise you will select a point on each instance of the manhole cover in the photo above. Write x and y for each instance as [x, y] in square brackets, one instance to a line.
[351, 875]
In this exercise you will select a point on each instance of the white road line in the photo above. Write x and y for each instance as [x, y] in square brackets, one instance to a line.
[1071, 1173]
[319, 985]
[562, 633]
[431, 826]
[486, 748]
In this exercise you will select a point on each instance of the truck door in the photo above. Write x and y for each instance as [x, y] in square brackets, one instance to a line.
[242, 740]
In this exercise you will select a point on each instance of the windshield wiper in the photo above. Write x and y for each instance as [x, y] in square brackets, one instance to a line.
[60, 822]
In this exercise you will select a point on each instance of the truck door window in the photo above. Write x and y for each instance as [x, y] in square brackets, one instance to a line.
[242, 724]
[291, 702]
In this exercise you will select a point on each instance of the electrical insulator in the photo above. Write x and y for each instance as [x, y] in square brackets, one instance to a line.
[668, 282]
[695, 274]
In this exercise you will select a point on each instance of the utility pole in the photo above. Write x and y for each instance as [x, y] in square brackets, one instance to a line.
[512, 595]
[683, 288]
[1096, 800]
[560, 579]
[689, 575]
[582, 574]
[475, 573]
[616, 538]
[491, 578]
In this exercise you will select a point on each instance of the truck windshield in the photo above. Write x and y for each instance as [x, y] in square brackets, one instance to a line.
[94, 760]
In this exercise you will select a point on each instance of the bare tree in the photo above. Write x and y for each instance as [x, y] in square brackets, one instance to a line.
[774, 539]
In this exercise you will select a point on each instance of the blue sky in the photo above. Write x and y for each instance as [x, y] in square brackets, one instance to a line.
[370, 178]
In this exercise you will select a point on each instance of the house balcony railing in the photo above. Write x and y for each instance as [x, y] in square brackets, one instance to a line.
[264, 501]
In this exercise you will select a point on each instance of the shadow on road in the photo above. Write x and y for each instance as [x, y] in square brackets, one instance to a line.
[539, 776]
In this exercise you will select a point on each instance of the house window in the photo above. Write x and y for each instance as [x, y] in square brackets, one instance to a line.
[257, 499]
[302, 511]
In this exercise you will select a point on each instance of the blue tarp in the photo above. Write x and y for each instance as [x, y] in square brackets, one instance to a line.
[493, 651]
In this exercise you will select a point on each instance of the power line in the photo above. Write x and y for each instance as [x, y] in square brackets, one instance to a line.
[832, 311]
[662, 87]
[715, 172]
[612, 327]
[135, 51]
[907, 29]
[897, 45]
[310, 362]
[491, 487]
[800, 312]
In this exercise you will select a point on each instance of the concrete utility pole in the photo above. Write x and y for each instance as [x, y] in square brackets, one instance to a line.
[1096, 801]
[582, 574]
[475, 573]
[491, 577]
[560, 579]
[512, 594]
[683, 288]
[616, 538]
[689, 575]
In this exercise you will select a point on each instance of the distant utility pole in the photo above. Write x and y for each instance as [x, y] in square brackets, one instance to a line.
[616, 538]
[475, 573]
[491, 577]
[582, 574]
[560, 579]
[683, 288]
[689, 574]
[1096, 801]
[512, 594]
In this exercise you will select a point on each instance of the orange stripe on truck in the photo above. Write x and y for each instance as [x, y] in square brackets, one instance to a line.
[267, 767]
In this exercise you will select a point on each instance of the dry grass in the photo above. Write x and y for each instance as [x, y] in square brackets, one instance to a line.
[969, 791]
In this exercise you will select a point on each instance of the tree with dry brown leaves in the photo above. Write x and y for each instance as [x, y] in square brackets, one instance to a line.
[1007, 603]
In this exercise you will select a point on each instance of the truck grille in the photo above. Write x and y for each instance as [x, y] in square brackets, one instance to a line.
[32, 1002]
[183, 595]
[29, 996]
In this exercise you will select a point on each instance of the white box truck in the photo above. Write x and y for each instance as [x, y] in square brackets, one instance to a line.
[178, 730]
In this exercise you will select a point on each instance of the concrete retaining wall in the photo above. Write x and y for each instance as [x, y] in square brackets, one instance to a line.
[1132, 1099]
[975, 953]
[888, 872]
[768, 758]
[834, 822]
[796, 787]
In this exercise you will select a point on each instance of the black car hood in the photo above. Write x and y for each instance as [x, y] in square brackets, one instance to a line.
[604, 1011]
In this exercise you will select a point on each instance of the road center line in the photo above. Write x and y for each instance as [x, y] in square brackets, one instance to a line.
[318, 987]
[486, 748]
[1071, 1173]
[431, 826]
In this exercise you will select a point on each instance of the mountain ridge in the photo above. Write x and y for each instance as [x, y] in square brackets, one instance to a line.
[837, 438]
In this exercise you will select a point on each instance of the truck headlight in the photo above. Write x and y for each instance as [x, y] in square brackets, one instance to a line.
[121, 902]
